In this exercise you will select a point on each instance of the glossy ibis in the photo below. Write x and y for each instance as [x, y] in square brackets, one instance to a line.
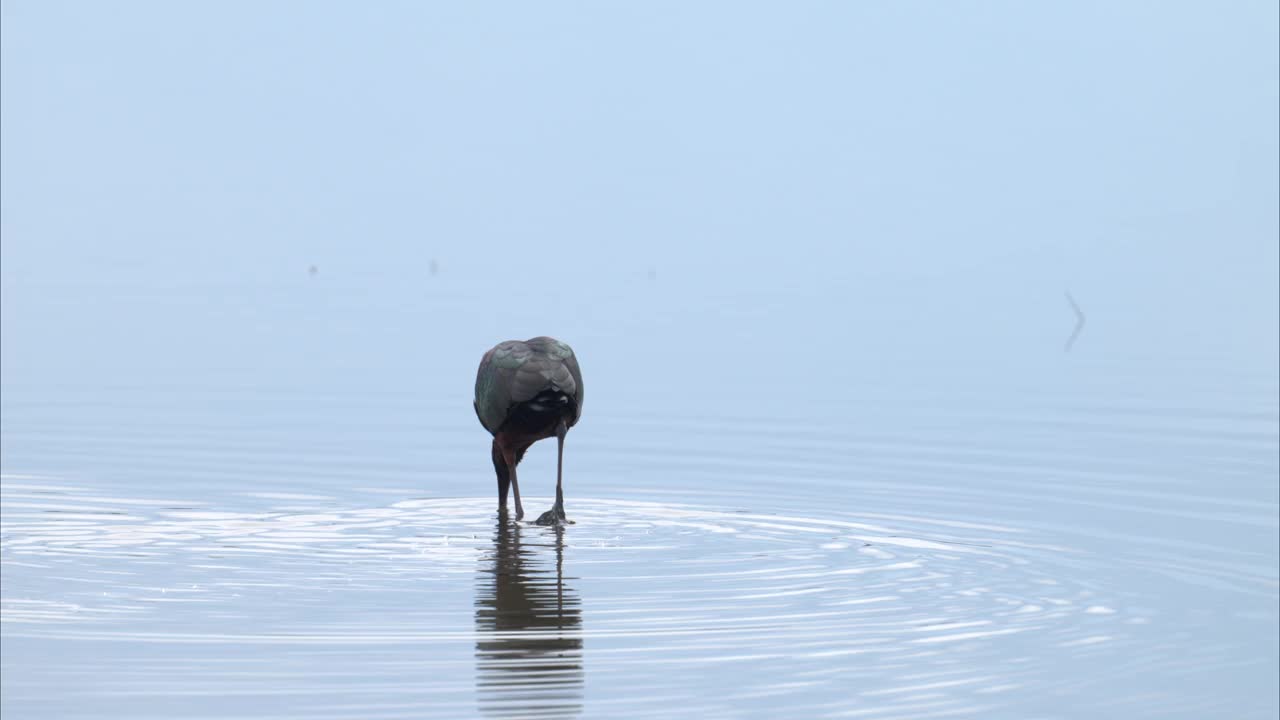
[527, 391]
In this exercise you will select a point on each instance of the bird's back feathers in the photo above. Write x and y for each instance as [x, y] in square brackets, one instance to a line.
[515, 371]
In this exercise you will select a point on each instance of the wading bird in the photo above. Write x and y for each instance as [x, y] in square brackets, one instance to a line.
[527, 391]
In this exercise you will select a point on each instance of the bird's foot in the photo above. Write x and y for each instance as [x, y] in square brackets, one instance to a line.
[554, 516]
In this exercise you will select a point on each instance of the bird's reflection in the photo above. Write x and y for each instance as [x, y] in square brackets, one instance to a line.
[529, 624]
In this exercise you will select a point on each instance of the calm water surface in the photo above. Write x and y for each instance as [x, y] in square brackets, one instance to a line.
[1095, 541]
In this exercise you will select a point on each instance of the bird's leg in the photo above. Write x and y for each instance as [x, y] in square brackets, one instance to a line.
[555, 515]
[560, 433]
[509, 456]
[503, 472]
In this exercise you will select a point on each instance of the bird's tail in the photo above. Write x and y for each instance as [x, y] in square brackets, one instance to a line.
[551, 400]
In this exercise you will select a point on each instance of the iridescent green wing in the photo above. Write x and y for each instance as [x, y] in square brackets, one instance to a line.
[495, 381]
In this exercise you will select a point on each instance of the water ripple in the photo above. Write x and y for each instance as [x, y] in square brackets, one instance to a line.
[650, 586]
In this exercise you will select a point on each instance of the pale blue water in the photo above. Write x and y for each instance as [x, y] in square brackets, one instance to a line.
[754, 536]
